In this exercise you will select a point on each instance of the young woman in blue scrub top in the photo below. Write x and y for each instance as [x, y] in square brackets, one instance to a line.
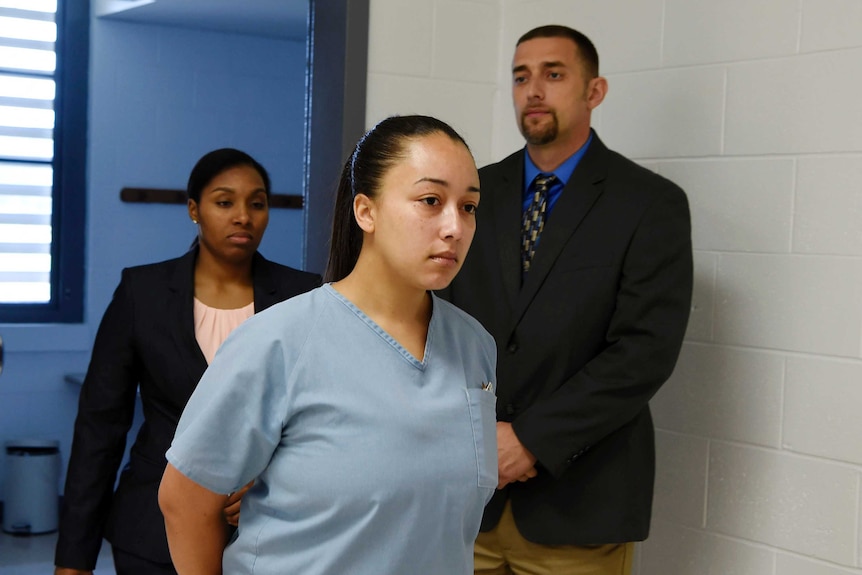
[363, 410]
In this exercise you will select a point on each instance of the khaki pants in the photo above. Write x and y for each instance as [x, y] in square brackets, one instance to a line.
[502, 551]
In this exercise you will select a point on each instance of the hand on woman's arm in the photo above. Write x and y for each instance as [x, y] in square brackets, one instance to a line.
[195, 524]
[233, 503]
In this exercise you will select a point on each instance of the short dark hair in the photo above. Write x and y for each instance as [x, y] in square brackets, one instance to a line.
[586, 49]
[214, 163]
[374, 155]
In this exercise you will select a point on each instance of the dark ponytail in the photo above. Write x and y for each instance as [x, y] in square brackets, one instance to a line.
[346, 240]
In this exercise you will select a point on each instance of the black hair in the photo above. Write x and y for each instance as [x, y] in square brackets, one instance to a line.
[375, 153]
[214, 163]
[586, 49]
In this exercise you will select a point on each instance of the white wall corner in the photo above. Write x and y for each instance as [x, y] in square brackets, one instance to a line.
[107, 7]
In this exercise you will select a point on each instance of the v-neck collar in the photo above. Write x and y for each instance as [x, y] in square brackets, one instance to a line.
[384, 335]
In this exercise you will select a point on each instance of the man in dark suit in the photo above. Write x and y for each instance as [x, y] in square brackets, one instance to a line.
[584, 279]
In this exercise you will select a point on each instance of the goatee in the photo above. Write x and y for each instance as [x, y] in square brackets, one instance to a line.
[539, 134]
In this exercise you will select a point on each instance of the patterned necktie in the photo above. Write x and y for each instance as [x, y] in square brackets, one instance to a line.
[534, 219]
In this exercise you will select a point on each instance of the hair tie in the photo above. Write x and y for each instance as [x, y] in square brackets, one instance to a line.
[353, 168]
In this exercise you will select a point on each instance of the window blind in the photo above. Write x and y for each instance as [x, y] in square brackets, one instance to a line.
[28, 33]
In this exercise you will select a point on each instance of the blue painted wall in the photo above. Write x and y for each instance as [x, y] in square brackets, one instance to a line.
[160, 97]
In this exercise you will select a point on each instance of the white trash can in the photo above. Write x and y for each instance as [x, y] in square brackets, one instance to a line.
[32, 486]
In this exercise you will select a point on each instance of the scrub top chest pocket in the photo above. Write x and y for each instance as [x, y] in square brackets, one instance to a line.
[483, 417]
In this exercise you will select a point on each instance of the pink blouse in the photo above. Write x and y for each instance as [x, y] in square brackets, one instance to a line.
[212, 325]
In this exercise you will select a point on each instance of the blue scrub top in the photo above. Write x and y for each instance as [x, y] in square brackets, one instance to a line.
[367, 460]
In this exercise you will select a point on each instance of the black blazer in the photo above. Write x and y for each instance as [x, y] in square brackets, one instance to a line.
[585, 342]
[146, 341]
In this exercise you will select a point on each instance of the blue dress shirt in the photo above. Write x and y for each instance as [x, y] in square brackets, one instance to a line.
[563, 174]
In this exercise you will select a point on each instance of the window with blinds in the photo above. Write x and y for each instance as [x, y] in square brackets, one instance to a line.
[41, 177]
[28, 32]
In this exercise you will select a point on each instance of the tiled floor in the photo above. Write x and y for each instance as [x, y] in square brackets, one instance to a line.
[34, 555]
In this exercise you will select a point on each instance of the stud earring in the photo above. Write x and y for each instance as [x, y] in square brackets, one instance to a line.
[194, 221]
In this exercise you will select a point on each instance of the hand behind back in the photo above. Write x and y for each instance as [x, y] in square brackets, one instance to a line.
[232, 505]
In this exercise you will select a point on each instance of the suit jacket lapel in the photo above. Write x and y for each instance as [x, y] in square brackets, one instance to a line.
[507, 212]
[578, 197]
[265, 287]
[181, 307]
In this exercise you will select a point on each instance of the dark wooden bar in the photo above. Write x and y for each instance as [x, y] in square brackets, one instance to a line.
[162, 196]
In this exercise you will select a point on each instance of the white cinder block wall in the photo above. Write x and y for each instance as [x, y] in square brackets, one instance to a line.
[755, 108]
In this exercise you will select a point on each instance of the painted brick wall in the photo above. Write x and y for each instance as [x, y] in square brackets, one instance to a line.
[755, 108]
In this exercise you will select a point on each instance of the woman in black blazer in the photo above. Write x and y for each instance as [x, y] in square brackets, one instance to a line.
[151, 339]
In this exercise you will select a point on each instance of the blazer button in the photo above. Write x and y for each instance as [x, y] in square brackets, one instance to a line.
[510, 409]
[513, 347]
